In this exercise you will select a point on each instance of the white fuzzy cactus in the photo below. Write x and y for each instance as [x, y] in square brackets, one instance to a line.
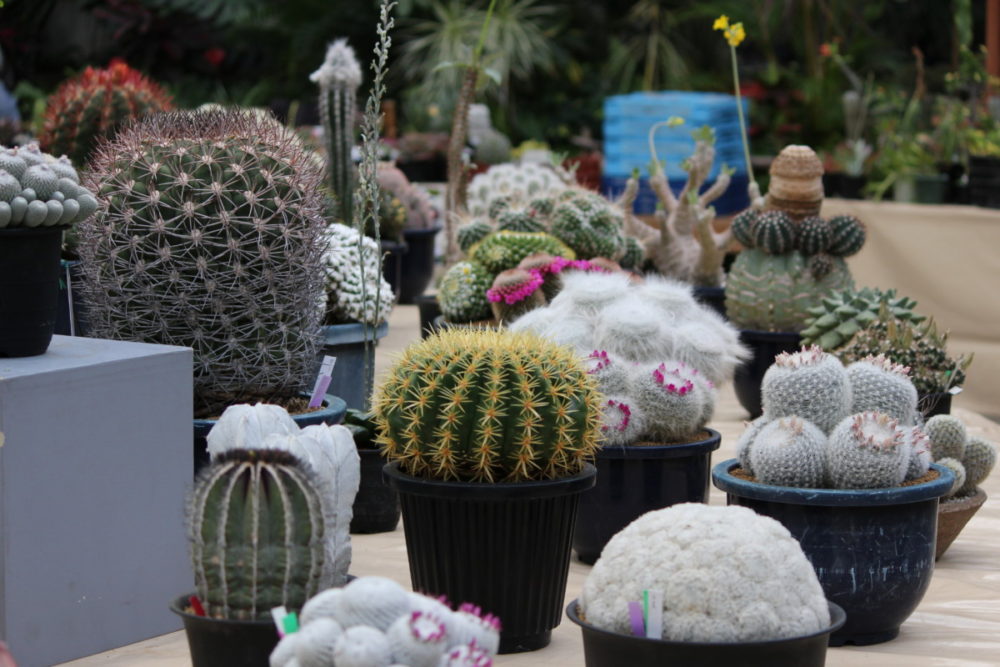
[246, 426]
[349, 296]
[947, 435]
[879, 385]
[790, 452]
[744, 444]
[521, 183]
[362, 646]
[868, 451]
[810, 384]
[685, 551]
[920, 452]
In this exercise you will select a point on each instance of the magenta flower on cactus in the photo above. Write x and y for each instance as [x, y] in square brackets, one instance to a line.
[600, 361]
[511, 294]
[488, 620]
[625, 413]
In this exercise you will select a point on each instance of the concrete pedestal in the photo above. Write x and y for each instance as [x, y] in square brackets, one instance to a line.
[95, 461]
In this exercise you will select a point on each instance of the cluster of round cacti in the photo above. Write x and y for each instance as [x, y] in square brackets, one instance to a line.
[374, 622]
[589, 224]
[788, 266]
[525, 182]
[209, 234]
[94, 105]
[825, 425]
[38, 190]
[420, 213]
[658, 402]
[351, 297]
[490, 406]
[970, 457]
[841, 315]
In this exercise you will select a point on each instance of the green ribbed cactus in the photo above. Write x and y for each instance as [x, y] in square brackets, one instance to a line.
[462, 292]
[209, 235]
[775, 292]
[255, 524]
[742, 227]
[589, 224]
[956, 467]
[848, 235]
[633, 254]
[868, 451]
[789, 451]
[809, 384]
[504, 250]
[774, 232]
[841, 315]
[488, 406]
[815, 235]
[472, 232]
[879, 385]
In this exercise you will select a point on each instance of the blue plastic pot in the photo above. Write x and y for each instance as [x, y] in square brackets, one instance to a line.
[872, 549]
[634, 480]
[347, 343]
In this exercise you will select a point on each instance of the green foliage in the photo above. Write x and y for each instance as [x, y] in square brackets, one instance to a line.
[505, 250]
[841, 315]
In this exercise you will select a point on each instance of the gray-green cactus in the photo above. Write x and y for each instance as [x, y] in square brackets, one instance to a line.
[979, 459]
[462, 292]
[956, 467]
[473, 232]
[841, 315]
[867, 451]
[789, 451]
[947, 435]
[38, 190]
[589, 224]
[255, 523]
[744, 444]
[879, 385]
[809, 384]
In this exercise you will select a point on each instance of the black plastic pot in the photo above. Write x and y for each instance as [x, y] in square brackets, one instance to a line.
[839, 184]
[376, 507]
[634, 480]
[429, 309]
[765, 346]
[938, 403]
[984, 181]
[713, 297]
[392, 263]
[417, 264]
[216, 642]
[872, 549]
[347, 343]
[71, 316]
[29, 289]
[332, 412]
[504, 547]
[425, 171]
[602, 648]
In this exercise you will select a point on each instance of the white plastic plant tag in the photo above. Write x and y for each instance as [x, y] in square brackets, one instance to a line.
[654, 621]
[278, 614]
[322, 381]
[955, 391]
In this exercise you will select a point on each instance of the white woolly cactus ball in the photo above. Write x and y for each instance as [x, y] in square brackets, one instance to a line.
[246, 426]
[727, 575]
[879, 385]
[373, 601]
[810, 384]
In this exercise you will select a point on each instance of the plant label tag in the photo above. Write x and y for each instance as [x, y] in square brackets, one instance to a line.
[955, 391]
[654, 618]
[278, 614]
[635, 619]
[322, 381]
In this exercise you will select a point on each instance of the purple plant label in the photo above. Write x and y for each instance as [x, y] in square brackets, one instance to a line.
[322, 381]
[635, 617]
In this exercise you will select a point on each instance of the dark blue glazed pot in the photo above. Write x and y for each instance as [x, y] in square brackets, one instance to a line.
[872, 549]
[637, 479]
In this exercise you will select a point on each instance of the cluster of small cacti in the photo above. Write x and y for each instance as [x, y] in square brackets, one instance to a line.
[209, 235]
[841, 315]
[38, 190]
[351, 298]
[824, 425]
[658, 402]
[970, 457]
[95, 105]
[374, 622]
[792, 257]
[420, 213]
[505, 250]
[521, 182]
[645, 322]
[483, 405]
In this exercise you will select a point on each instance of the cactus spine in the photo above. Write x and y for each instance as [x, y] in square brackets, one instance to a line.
[809, 384]
[867, 451]
[255, 522]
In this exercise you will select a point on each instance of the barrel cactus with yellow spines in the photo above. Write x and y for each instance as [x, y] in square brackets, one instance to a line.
[488, 406]
[505, 249]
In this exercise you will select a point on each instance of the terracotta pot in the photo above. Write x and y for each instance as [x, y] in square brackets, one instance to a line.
[952, 517]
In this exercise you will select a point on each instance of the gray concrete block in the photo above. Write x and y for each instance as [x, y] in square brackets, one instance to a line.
[95, 463]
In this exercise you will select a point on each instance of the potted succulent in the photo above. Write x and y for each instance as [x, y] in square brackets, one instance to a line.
[971, 459]
[698, 585]
[488, 435]
[791, 259]
[374, 621]
[40, 197]
[376, 507]
[838, 459]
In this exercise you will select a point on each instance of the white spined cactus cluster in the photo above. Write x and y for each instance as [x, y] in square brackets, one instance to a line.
[646, 322]
[328, 450]
[970, 457]
[726, 574]
[827, 426]
[39, 190]
[519, 182]
[374, 622]
[349, 298]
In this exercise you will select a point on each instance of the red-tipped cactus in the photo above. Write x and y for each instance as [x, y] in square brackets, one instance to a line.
[94, 105]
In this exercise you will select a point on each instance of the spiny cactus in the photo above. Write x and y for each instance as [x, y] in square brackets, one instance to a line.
[480, 405]
[510, 214]
[255, 523]
[209, 235]
[523, 182]
[774, 232]
[37, 190]
[841, 315]
[351, 298]
[867, 451]
[633, 255]
[979, 459]
[515, 292]
[339, 78]
[814, 235]
[744, 444]
[462, 292]
[810, 384]
[742, 227]
[95, 105]
[588, 223]
[504, 250]
[473, 232]
[920, 452]
[947, 436]
[789, 451]
[879, 385]
[848, 235]
[956, 467]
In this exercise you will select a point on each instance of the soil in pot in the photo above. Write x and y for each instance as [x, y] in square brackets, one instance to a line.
[636, 479]
[216, 642]
[764, 346]
[953, 514]
[29, 289]
[602, 648]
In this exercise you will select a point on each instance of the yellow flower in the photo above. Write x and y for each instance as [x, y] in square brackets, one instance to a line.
[735, 34]
[674, 121]
[721, 23]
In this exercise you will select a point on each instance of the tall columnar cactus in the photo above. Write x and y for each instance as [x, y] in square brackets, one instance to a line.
[839, 316]
[789, 451]
[37, 190]
[481, 405]
[255, 523]
[338, 78]
[880, 385]
[462, 292]
[209, 235]
[809, 384]
[868, 451]
[95, 105]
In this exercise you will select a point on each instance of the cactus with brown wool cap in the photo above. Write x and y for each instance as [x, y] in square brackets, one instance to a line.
[515, 292]
[488, 406]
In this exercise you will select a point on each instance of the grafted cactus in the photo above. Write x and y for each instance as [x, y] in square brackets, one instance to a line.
[209, 235]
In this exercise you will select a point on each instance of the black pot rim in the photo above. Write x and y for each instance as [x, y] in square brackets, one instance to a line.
[486, 491]
[754, 335]
[33, 231]
[837, 618]
[431, 231]
[177, 606]
[709, 444]
[899, 495]
[334, 404]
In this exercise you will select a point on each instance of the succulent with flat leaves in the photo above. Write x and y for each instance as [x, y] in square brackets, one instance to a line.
[809, 384]
[352, 297]
[38, 190]
[209, 235]
[488, 406]
[841, 315]
[462, 293]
